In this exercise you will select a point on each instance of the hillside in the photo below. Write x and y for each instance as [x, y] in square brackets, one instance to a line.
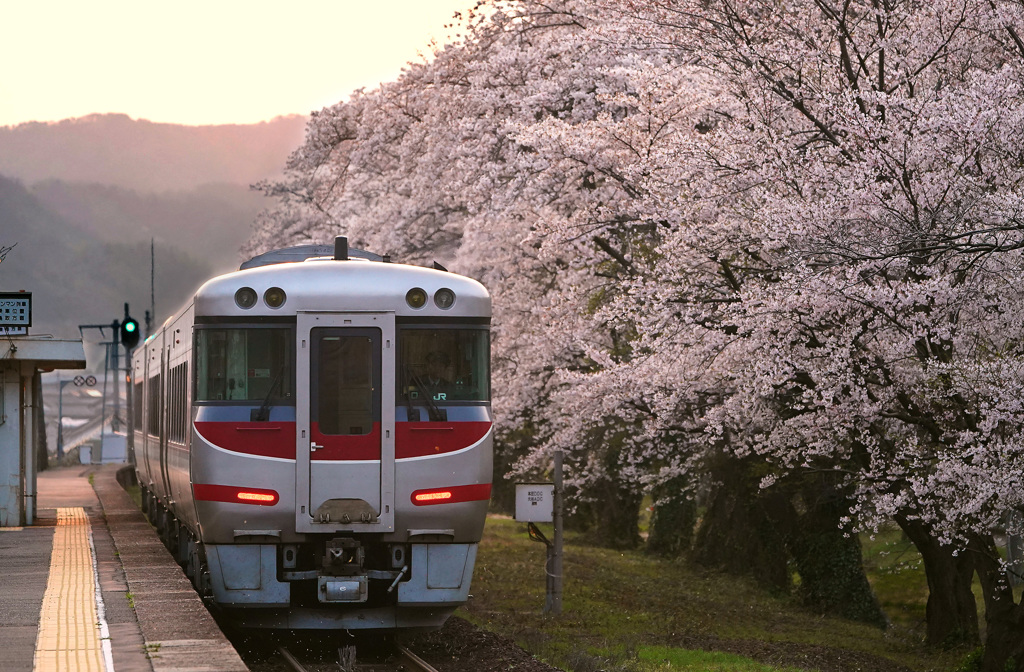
[83, 198]
[138, 154]
[210, 222]
[78, 278]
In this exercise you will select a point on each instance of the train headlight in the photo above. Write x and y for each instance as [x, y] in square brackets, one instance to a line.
[416, 297]
[444, 298]
[245, 297]
[275, 297]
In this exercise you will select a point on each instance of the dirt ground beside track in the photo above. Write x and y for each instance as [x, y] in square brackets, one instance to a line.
[462, 647]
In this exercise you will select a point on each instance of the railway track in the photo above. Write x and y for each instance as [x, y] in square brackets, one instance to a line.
[402, 660]
[416, 663]
[301, 657]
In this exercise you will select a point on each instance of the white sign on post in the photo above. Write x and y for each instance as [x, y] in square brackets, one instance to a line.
[535, 502]
[16, 309]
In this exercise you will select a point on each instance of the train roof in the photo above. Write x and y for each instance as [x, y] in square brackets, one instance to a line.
[301, 253]
[348, 281]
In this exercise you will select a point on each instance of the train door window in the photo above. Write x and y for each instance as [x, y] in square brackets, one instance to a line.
[155, 401]
[245, 364]
[137, 402]
[443, 364]
[346, 382]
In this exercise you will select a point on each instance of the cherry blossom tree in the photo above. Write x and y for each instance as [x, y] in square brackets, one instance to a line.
[856, 191]
[431, 166]
[775, 240]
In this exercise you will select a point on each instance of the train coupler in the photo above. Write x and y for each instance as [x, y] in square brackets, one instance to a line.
[343, 557]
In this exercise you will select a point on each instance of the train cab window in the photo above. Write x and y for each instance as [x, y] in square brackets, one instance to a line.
[443, 365]
[245, 364]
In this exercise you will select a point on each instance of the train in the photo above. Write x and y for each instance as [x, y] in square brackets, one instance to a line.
[312, 437]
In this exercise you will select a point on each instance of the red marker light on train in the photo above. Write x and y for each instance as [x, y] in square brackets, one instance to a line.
[424, 497]
[452, 495]
[208, 492]
[261, 497]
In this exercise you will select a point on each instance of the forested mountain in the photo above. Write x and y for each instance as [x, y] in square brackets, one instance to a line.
[139, 154]
[212, 220]
[83, 198]
[77, 277]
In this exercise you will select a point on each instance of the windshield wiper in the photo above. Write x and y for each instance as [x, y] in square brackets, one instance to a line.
[262, 414]
[436, 414]
[412, 413]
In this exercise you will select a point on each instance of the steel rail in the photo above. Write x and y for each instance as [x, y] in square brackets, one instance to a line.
[414, 660]
[290, 659]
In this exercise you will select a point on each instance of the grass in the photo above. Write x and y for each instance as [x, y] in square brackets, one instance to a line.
[896, 573]
[136, 494]
[629, 612]
[672, 660]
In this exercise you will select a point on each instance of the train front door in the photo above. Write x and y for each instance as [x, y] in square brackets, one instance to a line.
[345, 453]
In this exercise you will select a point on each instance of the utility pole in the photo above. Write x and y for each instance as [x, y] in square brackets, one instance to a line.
[151, 313]
[554, 599]
[126, 333]
[115, 351]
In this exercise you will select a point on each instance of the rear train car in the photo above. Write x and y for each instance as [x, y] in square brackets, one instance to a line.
[312, 437]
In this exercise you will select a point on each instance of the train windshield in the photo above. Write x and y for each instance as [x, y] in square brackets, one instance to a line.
[443, 365]
[245, 364]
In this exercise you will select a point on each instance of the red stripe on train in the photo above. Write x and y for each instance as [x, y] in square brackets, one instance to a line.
[266, 439]
[345, 447]
[277, 439]
[419, 439]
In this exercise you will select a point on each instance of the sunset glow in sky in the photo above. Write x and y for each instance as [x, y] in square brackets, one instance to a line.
[205, 61]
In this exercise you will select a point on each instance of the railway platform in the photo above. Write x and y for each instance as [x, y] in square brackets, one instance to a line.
[90, 587]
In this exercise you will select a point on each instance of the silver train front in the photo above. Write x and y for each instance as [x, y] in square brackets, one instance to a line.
[314, 441]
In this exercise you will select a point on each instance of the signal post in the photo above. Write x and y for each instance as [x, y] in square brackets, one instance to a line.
[542, 503]
[125, 333]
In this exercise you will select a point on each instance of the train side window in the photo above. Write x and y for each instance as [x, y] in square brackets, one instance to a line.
[245, 364]
[177, 409]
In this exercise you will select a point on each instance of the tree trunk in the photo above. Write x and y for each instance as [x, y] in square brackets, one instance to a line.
[1004, 618]
[509, 448]
[829, 561]
[673, 520]
[618, 514]
[736, 534]
[951, 613]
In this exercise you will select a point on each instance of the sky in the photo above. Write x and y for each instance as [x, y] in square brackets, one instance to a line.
[200, 62]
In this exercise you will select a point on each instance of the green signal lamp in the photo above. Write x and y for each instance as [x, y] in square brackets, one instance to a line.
[129, 333]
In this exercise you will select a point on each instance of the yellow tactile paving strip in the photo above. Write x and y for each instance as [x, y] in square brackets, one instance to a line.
[70, 627]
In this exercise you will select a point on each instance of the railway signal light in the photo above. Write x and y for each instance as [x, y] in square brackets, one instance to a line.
[129, 333]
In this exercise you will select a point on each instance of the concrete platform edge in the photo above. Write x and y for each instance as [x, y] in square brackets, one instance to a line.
[179, 633]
